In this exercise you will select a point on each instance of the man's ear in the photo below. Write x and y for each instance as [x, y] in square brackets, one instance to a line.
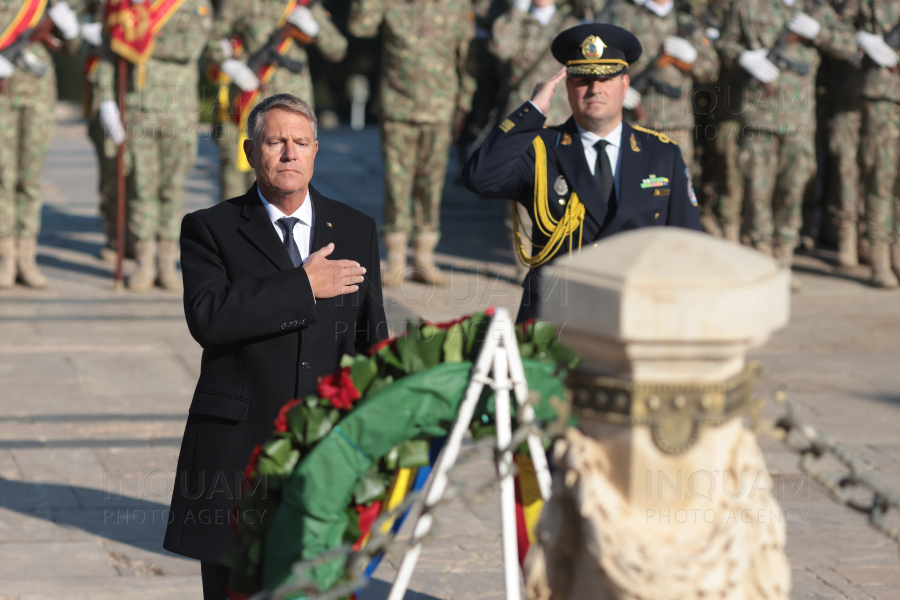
[248, 150]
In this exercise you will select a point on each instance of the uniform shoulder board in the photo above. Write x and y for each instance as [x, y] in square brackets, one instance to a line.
[662, 137]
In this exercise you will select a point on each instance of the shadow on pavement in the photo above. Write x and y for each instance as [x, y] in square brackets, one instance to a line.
[113, 516]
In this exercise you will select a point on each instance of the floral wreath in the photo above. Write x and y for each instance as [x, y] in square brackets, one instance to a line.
[434, 354]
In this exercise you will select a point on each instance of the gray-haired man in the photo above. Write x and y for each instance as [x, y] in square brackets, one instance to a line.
[278, 284]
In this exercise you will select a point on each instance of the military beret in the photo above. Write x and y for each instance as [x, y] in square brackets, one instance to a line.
[596, 50]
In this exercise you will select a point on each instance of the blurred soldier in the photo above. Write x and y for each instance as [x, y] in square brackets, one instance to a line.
[27, 123]
[521, 39]
[104, 146]
[778, 108]
[844, 204]
[880, 137]
[242, 29]
[677, 54]
[425, 95]
[162, 124]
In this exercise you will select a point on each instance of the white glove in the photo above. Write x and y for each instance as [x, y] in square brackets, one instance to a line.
[758, 64]
[303, 19]
[6, 68]
[227, 48]
[522, 5]
[65, 20]
[877, 49]
[632, 99]
[680, 48]
[712, 33]
[92, 33]
[805, 26]
[111, 121]
[242, 75]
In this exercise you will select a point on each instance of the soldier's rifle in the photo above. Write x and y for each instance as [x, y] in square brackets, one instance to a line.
[18, 54]
[892, 39]
[777, 56]
[269, 54]
[650, 77]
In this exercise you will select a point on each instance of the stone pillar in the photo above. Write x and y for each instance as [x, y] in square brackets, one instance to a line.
[661, 491]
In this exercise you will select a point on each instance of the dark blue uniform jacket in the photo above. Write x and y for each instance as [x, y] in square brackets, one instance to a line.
[503, 168]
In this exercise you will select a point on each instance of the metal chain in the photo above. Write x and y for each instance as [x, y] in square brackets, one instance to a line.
[853, 488]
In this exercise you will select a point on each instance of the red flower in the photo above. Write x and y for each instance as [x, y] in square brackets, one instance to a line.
[489, 311]
[367, 516]
[338, 389]
[449, 324]
[382, 344]
[281, 424]
[250, 469]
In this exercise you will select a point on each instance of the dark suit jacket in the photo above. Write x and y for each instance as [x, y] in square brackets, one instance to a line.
[266, 340]
[503, 168]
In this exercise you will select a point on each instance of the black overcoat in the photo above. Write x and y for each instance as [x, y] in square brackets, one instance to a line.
[503, 168]
[266, 340]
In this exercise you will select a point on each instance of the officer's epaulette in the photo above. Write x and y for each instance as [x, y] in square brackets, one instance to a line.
[662, 137]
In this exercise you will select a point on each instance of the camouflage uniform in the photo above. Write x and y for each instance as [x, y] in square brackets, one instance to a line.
[162, 126]
[253, 22]
[423, 84]
[672, 116]
[880, 143]
[778, 133]
[104, 146]
[524, 44]
[27, 125]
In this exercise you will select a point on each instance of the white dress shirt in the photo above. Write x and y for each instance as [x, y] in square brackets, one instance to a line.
[661, 10]
[588, 139]
[303, 228]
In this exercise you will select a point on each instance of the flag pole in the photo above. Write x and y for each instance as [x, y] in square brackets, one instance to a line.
[122, 74]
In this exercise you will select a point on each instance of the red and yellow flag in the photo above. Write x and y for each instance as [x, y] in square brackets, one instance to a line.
[245, 102]
[132, 26]
[27, 17]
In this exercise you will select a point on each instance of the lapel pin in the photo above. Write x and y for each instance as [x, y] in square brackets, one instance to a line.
[328, 223]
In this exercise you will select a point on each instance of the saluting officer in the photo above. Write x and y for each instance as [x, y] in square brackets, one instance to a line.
[593, 176]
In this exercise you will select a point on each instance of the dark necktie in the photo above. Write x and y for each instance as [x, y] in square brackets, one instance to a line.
[604, 175]
[287, 223]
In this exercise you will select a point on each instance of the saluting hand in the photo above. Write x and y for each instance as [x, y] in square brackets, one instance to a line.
[543, 92]
[330, 278]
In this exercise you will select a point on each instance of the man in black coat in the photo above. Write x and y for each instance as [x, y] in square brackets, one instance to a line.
[595, 175]
[278, 285]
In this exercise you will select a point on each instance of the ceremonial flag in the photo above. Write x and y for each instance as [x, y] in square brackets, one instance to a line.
[27, 17]
[132, 26]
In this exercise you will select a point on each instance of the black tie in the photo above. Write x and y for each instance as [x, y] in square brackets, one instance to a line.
[604, 175]
[287, 223]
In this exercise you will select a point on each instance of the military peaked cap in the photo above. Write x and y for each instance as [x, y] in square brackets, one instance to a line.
[596, 50]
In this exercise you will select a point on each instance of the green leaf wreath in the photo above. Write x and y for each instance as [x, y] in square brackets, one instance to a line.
[320, 479]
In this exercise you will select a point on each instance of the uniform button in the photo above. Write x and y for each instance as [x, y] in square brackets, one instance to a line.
[526, 110]
[562, 201]
[656, 216]
[520, 115]
[302, 321]
[293, 323]
[284, 325]
[304, 365]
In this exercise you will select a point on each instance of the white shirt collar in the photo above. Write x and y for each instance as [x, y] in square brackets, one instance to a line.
[660, 10]
[589, 138]
[543, 14]
[304, 213]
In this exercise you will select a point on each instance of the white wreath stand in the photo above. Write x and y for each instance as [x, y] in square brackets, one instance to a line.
[499, 366]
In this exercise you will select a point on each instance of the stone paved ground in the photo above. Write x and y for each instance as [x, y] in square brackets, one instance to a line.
[95, 385]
